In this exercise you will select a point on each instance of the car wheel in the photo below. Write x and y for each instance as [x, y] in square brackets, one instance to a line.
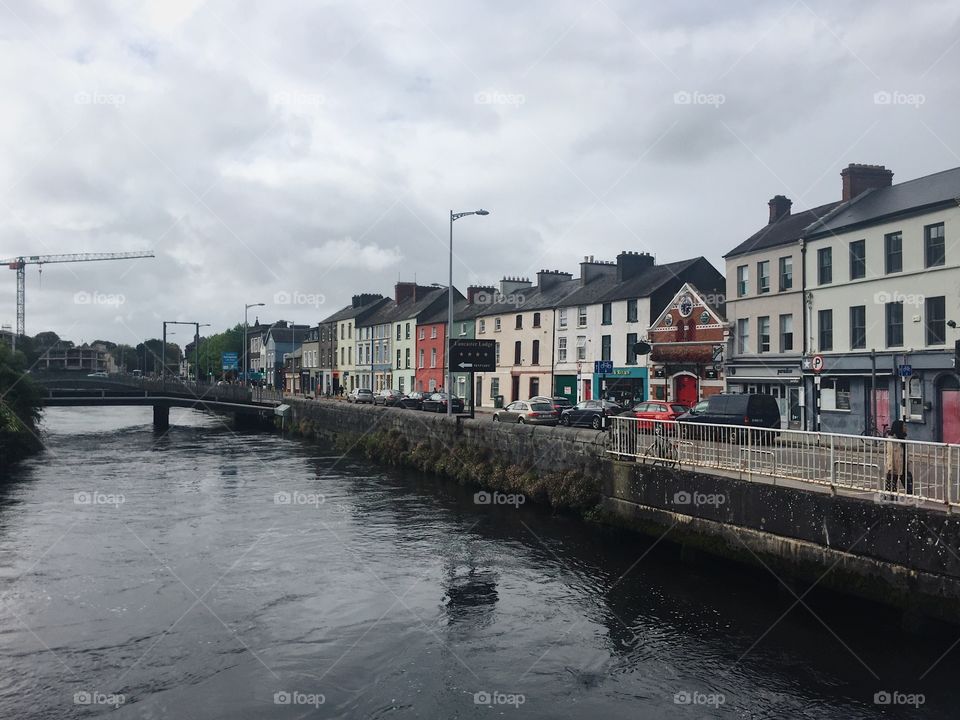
[596, 422]
[521, 421]
[496, 418]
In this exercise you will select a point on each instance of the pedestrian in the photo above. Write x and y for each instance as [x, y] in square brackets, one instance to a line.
[897, 472]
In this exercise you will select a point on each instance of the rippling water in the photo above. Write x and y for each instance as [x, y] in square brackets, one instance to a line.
[168, 575]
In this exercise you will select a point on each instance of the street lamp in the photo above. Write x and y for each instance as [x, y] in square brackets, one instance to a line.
[246, 340]
[196, 373]
[449, 383]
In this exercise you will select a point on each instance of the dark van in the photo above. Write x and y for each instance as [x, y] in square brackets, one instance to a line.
[754, 411]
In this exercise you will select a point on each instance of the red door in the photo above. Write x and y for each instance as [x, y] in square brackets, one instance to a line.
[950, 415]
[882, 400]
[685, 390]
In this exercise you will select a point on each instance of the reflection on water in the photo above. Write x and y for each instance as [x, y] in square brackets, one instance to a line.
[200, 595]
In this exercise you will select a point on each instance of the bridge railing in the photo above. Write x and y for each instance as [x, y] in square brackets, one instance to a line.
[204, 390]
[931, 471]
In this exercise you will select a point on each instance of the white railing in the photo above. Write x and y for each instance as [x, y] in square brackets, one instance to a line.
[848, 462]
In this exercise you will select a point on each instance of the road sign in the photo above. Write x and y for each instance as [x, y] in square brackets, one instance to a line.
[603, 367]
[228, 360]
[906, 370]
[473, 355]
[817, 363]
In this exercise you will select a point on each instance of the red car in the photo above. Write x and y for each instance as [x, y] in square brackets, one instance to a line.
[654, 410]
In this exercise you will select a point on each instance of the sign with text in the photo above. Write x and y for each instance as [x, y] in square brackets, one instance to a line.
[473, 355]
[229, 360]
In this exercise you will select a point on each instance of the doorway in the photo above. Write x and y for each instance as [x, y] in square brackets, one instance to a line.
[534, 386]
[478, 396]
[949, 391]
[686, 391]
[514, 388]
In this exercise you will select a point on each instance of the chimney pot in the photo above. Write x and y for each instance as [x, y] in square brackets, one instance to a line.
[858, 178]
[779, 208]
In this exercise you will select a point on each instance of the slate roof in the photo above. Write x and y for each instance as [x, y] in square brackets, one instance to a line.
[647, 282]
[349, 312]
[533, 298]
[439, 312]
[874, 206]
[784, 231]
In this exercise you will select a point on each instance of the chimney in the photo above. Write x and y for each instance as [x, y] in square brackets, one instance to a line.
[365, 299]
[858, 178]
[510, 285]
[550, 278]
[630, 264]
[473, 290]
[779, 208]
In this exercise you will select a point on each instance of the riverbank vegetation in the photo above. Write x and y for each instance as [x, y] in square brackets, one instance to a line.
[20, 404]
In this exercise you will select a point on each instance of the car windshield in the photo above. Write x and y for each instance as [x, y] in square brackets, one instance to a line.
[679, 408]
[541, 406]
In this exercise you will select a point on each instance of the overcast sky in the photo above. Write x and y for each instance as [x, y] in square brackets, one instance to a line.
[310, 150]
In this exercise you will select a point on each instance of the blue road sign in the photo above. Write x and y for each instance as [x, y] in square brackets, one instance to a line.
[229, 360]
[906, 370]
[603, 367]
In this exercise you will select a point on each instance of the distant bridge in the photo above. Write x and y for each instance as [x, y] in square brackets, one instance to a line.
[78, 389]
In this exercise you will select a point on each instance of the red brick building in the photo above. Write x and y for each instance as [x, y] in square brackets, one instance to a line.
[430, 353]
[684, 339]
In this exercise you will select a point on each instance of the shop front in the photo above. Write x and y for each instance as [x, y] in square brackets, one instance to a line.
[625, 386]
[781, 379]
[565, 386]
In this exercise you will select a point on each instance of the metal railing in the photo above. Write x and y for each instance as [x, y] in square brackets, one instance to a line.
[848, 462]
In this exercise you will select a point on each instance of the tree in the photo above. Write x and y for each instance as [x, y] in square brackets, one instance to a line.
[212, 348]
[20, 403]
[154, 360]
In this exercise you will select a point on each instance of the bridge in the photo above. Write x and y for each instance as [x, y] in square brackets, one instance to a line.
[77, 389]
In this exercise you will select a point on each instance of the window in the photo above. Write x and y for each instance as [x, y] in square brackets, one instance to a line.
[858, 259]
[893, 248]
[763, 334]
[835, 394]
[632, 310]
[605, 347]
[743, 335]
[433, 332]
[496, 353]
[406, 359]
[343, 329]
[824, 266]
[915, 397]
[463, 329]
[420, 363]
[483, 326]
[349, 331]
[582, 316]
[763, 277]
[786, 273]
[535, 353]
[743, 280]
[399, 360]
[581, 347]
[535, 387]
[400, 380]
[433, 357]
[494, 387]
[561, 349]
[934, 252]
[349, 354]
[562, 317]
[519, 322]
[858, 327]
[825, 326]
[341, 356]
[516, 353]
[421, 334]
[536, 319]
[496, 324]
[631, 354]
[786, 333]
[408, 331]
[935, 312]
[607, 312]
[894, 317]
[398, 331]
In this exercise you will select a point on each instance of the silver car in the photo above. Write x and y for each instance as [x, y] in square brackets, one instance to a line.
[528, 412]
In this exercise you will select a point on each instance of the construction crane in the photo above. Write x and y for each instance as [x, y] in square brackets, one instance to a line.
[20, 263]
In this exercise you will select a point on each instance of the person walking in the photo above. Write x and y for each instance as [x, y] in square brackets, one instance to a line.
[895, 466]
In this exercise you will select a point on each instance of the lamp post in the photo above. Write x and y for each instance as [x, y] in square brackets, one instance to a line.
[246, 340]
[449, 382]
[196, 373]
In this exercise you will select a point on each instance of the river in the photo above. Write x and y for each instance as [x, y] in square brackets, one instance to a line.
[207, 574]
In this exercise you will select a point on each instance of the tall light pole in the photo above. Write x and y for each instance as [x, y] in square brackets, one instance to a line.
[196, 373]
[453, 216]
[246, 340]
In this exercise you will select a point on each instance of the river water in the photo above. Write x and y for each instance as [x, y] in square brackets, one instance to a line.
[207, 574]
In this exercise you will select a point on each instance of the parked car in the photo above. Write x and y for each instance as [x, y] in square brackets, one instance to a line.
[741, 409]
[533, 411]
[98, 374]
[438, 403]
[559, 403]
[388, 398]
[589, 413]
[654, 410]
[414, 401]
[361, 395]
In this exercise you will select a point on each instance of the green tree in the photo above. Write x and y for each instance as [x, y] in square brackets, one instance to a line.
[20, 403]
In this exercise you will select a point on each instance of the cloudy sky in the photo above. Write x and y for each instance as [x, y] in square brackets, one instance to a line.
[306, 151]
